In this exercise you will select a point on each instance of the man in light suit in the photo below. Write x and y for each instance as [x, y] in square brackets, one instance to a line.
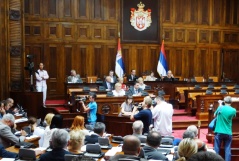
[135, 90]
[7, 138]
[74, 78]
[41, 77]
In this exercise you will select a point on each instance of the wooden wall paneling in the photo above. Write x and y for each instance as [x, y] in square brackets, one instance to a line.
[68, 61]
[216, 65]
[51, 8]
[52, 31]
[84, 63]
[204, 18]
[111, 32]
[96, 60]
[179, 35]
[166, 11]
[111, 10]
[180, 14]
[193, 11]
[204, 36]
[68, 9]
[235, 12]
[168, 35]
[153, 57]
[68, 32]
[83, 32]
[83, 9]
[175, 60]
[231, 66]
[216, 37]
[191, 36]
[4, 85]
[126, 56]
[111, 52]
[217, 14]
[97, 32]
[97, 9]
[202, 62]
[140, 61]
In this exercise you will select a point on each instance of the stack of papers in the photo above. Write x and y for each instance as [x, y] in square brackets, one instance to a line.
[21, 120]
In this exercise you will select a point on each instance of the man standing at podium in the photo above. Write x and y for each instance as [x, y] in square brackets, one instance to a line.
[41, 77]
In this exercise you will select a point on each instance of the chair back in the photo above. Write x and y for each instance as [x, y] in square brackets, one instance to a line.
[166, 142]
[91, 79]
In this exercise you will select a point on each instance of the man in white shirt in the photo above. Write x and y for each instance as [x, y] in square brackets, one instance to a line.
[162, 115]
[41, 77]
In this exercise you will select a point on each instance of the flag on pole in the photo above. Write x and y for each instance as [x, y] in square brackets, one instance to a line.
[162, 67]
[119, 64]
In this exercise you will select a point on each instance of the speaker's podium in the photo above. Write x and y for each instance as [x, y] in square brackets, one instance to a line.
[32, 102]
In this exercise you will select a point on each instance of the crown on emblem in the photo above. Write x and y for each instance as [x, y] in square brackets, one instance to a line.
[141, 5]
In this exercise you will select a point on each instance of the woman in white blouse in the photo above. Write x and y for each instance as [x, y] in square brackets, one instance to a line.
[118, 90]
[151, 77]
[141, 83]
[127, 106]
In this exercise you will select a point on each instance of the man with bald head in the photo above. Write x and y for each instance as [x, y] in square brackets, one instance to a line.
[131, 149]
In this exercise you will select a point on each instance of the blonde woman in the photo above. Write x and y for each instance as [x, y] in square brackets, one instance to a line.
[186, 148]
[140, 80]
[151, 77]
[121, 80]
[118, 90]
[76, 141]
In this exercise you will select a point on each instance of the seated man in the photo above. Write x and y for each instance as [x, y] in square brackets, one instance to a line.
[135, 90]
[138, 129]
[152, 143]
[59, 140]
[132, 76]
[107, 84]
[113, 77]
[99, 131]
[169, 76]
[74, 78]
[7, 138]
[131, 149]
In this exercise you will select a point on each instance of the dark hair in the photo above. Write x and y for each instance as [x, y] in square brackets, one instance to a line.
[154, 139]
[31, 121]
[129, 97]
[93, 95]
[56, 121]
[205, 156]
[99, 127]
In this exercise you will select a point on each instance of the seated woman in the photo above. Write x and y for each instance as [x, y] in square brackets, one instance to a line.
[78, 125]
[150, 77]
[127, 106]
[141, 83]
[32, 121]
[118, 90]
[76, 141]
[56, 123]
[121, 80]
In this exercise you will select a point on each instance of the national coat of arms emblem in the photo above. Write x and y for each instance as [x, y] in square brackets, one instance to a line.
[140, 19]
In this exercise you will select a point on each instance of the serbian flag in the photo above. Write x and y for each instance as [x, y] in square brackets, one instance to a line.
[162, 67]
[119, 64]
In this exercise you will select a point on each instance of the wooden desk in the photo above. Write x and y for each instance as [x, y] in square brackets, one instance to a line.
[204, 102]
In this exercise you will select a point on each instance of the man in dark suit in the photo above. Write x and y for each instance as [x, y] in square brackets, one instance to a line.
[135, 90]
[169, 76]
[60, 139]
[107, 84]
[152, 143]
[99, 131]
[113, 77]
[132, 76]
[131, 149]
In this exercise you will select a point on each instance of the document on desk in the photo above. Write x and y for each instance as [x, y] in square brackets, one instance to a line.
[21, 120]
[31, 137]
[8, 159]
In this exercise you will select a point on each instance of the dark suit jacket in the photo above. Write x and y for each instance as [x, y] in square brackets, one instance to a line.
[129, 78]
[91, 139]
[54, 155]
[115, 79]
[121, 156]
[152, 153]
[6, 154]
[132, 91]
[168, 79]
[106, 87]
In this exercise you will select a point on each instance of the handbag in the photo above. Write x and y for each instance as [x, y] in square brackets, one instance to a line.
[212, 124]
